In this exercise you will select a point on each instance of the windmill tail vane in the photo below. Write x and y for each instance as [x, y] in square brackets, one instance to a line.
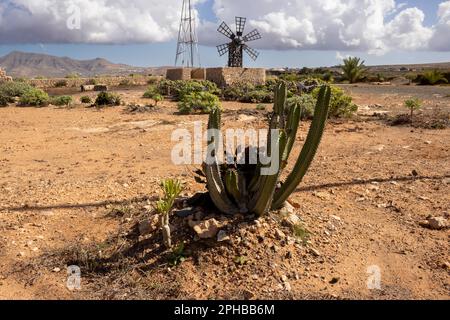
[238, 44]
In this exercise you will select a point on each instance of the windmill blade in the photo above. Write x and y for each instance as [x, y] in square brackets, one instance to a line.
[240, 25]
[251, 52]
[223, 48]
[226, 31]
[252, 36]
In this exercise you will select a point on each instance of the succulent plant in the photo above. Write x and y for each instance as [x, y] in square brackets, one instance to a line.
[242, 188]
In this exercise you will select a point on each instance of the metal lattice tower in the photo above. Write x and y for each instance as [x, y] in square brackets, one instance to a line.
[187, 48]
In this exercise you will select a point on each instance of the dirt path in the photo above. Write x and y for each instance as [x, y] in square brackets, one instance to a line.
[61, 172]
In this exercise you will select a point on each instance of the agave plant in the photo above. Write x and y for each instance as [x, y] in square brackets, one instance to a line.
[242, 188]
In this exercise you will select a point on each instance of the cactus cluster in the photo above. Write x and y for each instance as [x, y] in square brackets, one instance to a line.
[241, 188]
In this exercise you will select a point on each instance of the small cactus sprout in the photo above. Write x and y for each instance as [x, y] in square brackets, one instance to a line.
[171, 189]
[243, 188]
[413, 105]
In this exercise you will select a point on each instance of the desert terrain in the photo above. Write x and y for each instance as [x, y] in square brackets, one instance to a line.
[76, 183]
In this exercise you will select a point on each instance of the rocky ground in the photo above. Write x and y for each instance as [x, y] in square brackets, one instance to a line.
[78, 186]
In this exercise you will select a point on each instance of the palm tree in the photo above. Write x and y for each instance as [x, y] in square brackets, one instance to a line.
[353, 69]
[434, 77]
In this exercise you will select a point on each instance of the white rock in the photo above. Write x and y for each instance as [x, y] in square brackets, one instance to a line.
[437, 223]
[207, 229]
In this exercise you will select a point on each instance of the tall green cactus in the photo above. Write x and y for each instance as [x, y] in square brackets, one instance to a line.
[243, 188]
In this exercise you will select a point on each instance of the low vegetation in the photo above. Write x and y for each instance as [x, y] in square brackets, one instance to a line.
[61, 101]
[199, 102]
[341, 104]
[34, 97]
[179, 89]
[153, 94]
[108, 99]
[86, 100]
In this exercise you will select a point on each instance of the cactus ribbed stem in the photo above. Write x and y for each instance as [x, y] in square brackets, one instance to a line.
[309, 149]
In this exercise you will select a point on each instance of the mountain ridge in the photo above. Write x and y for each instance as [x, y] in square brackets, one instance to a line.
[27, 64]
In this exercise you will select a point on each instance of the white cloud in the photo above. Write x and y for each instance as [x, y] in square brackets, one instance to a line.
[102, 21]
[441, 37]
[373, 26]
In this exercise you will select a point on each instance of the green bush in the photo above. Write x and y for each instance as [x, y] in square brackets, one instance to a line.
[236, 91]
[34, 97]
[179, 89]
[341, 104]
[203, 102]
[4, 100]
[153, 93]
[307, 104]
[108, 99]
[62, 101]
[11, 90]
[257, 96]
[86, 99]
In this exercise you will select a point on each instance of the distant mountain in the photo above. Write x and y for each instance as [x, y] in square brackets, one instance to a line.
[22, 64]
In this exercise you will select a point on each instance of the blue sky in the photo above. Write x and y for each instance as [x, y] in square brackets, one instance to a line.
[158, 53]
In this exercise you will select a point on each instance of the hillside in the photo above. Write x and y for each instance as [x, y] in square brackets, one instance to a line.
[21, 64]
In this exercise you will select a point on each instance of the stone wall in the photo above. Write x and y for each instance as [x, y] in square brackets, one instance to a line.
[198, 74]
[78, 82]
[179, 74]
[224, 77]
[3, 76]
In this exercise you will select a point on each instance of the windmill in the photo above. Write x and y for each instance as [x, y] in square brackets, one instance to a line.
[238, 43]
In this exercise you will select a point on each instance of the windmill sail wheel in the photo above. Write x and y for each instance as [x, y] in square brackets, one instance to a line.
[238, 44]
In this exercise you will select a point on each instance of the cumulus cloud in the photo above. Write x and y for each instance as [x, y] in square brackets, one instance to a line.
[374, 26]
[101, 21]
[441, 37]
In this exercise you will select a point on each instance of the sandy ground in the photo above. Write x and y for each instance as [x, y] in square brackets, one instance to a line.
[61, 172]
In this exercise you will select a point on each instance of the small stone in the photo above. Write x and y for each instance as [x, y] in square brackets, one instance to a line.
[437, 223]
[223, 236]
[322, 195]
[56, 270]
[287, 286]
[379, 148]
[315, 252]
[287, 209]
[207, 229]
[284, 278]
[279, 234]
